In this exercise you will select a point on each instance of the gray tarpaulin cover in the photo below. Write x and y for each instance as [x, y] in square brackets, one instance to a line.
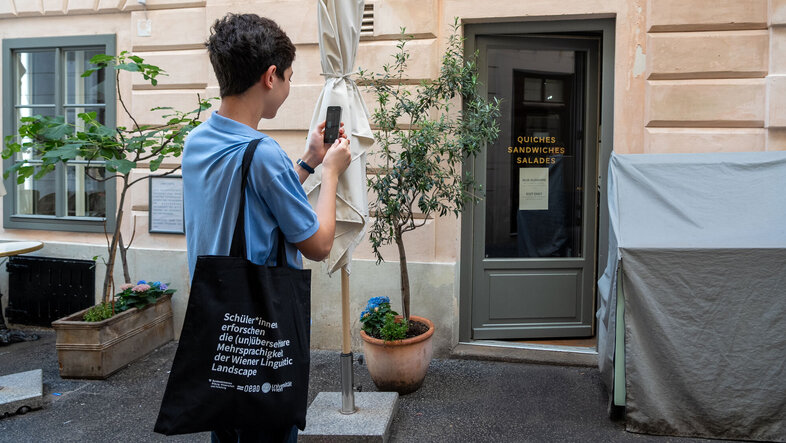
[700, 242]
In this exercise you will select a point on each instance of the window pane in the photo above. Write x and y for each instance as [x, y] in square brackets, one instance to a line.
[532, 89]
[86, 196]
[553, 90]
[83, 89]
[72, 115]
[36, 197]
[34, 78]
[29, 112]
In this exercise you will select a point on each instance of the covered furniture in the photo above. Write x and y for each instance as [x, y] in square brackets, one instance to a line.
[692, 313]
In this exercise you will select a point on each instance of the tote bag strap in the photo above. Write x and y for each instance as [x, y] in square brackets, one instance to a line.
[238, 248]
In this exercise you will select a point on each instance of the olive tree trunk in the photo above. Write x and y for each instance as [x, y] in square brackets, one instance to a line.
[404, 274]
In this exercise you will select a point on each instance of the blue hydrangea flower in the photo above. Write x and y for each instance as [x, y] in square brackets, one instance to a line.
[376, 301]
[141, 282]
[155, 284]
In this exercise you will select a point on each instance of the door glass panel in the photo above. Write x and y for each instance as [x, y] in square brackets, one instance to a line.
[34, 78]
[534, 172]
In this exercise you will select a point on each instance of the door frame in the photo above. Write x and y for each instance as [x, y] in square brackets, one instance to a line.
[606, 133]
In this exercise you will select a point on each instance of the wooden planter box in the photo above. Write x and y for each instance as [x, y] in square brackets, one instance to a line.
[98, 349]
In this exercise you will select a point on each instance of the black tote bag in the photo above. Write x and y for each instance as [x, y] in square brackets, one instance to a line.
[243, 357]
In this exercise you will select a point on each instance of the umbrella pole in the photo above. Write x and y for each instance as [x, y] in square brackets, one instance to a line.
[347, 375]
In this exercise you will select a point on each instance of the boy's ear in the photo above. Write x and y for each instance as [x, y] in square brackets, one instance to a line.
[267, 77]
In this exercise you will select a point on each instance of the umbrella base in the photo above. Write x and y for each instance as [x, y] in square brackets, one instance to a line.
[371, 422]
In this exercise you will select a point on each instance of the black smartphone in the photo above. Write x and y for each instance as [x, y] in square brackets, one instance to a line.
[333, 121]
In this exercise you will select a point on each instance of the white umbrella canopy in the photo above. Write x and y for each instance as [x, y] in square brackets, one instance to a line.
[339, 34]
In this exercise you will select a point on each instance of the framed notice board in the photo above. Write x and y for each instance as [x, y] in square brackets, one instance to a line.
[166, 205]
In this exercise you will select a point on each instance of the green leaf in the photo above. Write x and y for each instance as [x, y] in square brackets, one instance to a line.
[57, 128]
[11, 146]
[22, 171]
[104, 131]
[43, 170]
[122, 166]
[101, 58]
[156, 163]
[87, 116]
[68, 151]
[130, 67]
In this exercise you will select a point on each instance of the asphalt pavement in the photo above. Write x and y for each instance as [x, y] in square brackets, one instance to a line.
[460, 401]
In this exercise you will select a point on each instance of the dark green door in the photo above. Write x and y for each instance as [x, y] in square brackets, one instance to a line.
[534, 236]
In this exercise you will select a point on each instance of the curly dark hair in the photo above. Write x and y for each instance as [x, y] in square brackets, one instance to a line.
[243, 46]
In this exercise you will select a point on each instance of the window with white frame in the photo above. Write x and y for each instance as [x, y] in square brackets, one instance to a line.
[44, 77]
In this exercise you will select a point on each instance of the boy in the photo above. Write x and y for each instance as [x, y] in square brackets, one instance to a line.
[252, 58]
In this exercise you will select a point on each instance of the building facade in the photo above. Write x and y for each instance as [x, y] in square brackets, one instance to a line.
[576, 80]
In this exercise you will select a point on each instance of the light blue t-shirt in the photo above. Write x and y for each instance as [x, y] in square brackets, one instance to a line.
[212, 158]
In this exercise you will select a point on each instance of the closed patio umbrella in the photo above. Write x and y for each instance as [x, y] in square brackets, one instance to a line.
[339, 33]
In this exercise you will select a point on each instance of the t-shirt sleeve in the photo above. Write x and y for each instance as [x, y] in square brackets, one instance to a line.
[288, 202]
[278, 185]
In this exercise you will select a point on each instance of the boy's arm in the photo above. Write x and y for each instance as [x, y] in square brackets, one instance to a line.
[316, 150]
[336, 160]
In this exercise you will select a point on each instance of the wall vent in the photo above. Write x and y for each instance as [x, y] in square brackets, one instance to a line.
[43, 289]
[367, 25]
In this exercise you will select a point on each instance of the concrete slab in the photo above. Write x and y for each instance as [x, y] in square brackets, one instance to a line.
[23, 389]
[371, 422]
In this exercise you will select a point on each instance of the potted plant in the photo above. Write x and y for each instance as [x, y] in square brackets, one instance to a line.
[397, 352]
[424, 135]
[52, 140]
[98, 341]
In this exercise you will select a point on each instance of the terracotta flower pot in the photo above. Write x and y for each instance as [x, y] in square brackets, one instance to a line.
[399, 365]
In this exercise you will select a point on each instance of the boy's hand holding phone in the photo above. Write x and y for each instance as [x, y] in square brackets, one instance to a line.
[337, 158]
[317, 147]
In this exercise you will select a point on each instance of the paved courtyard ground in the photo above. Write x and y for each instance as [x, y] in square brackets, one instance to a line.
[461, 401]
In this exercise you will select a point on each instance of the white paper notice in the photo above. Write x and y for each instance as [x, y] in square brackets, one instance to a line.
[166, 204]
[533, 189]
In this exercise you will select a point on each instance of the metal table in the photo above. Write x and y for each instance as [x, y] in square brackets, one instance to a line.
[8, 336]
